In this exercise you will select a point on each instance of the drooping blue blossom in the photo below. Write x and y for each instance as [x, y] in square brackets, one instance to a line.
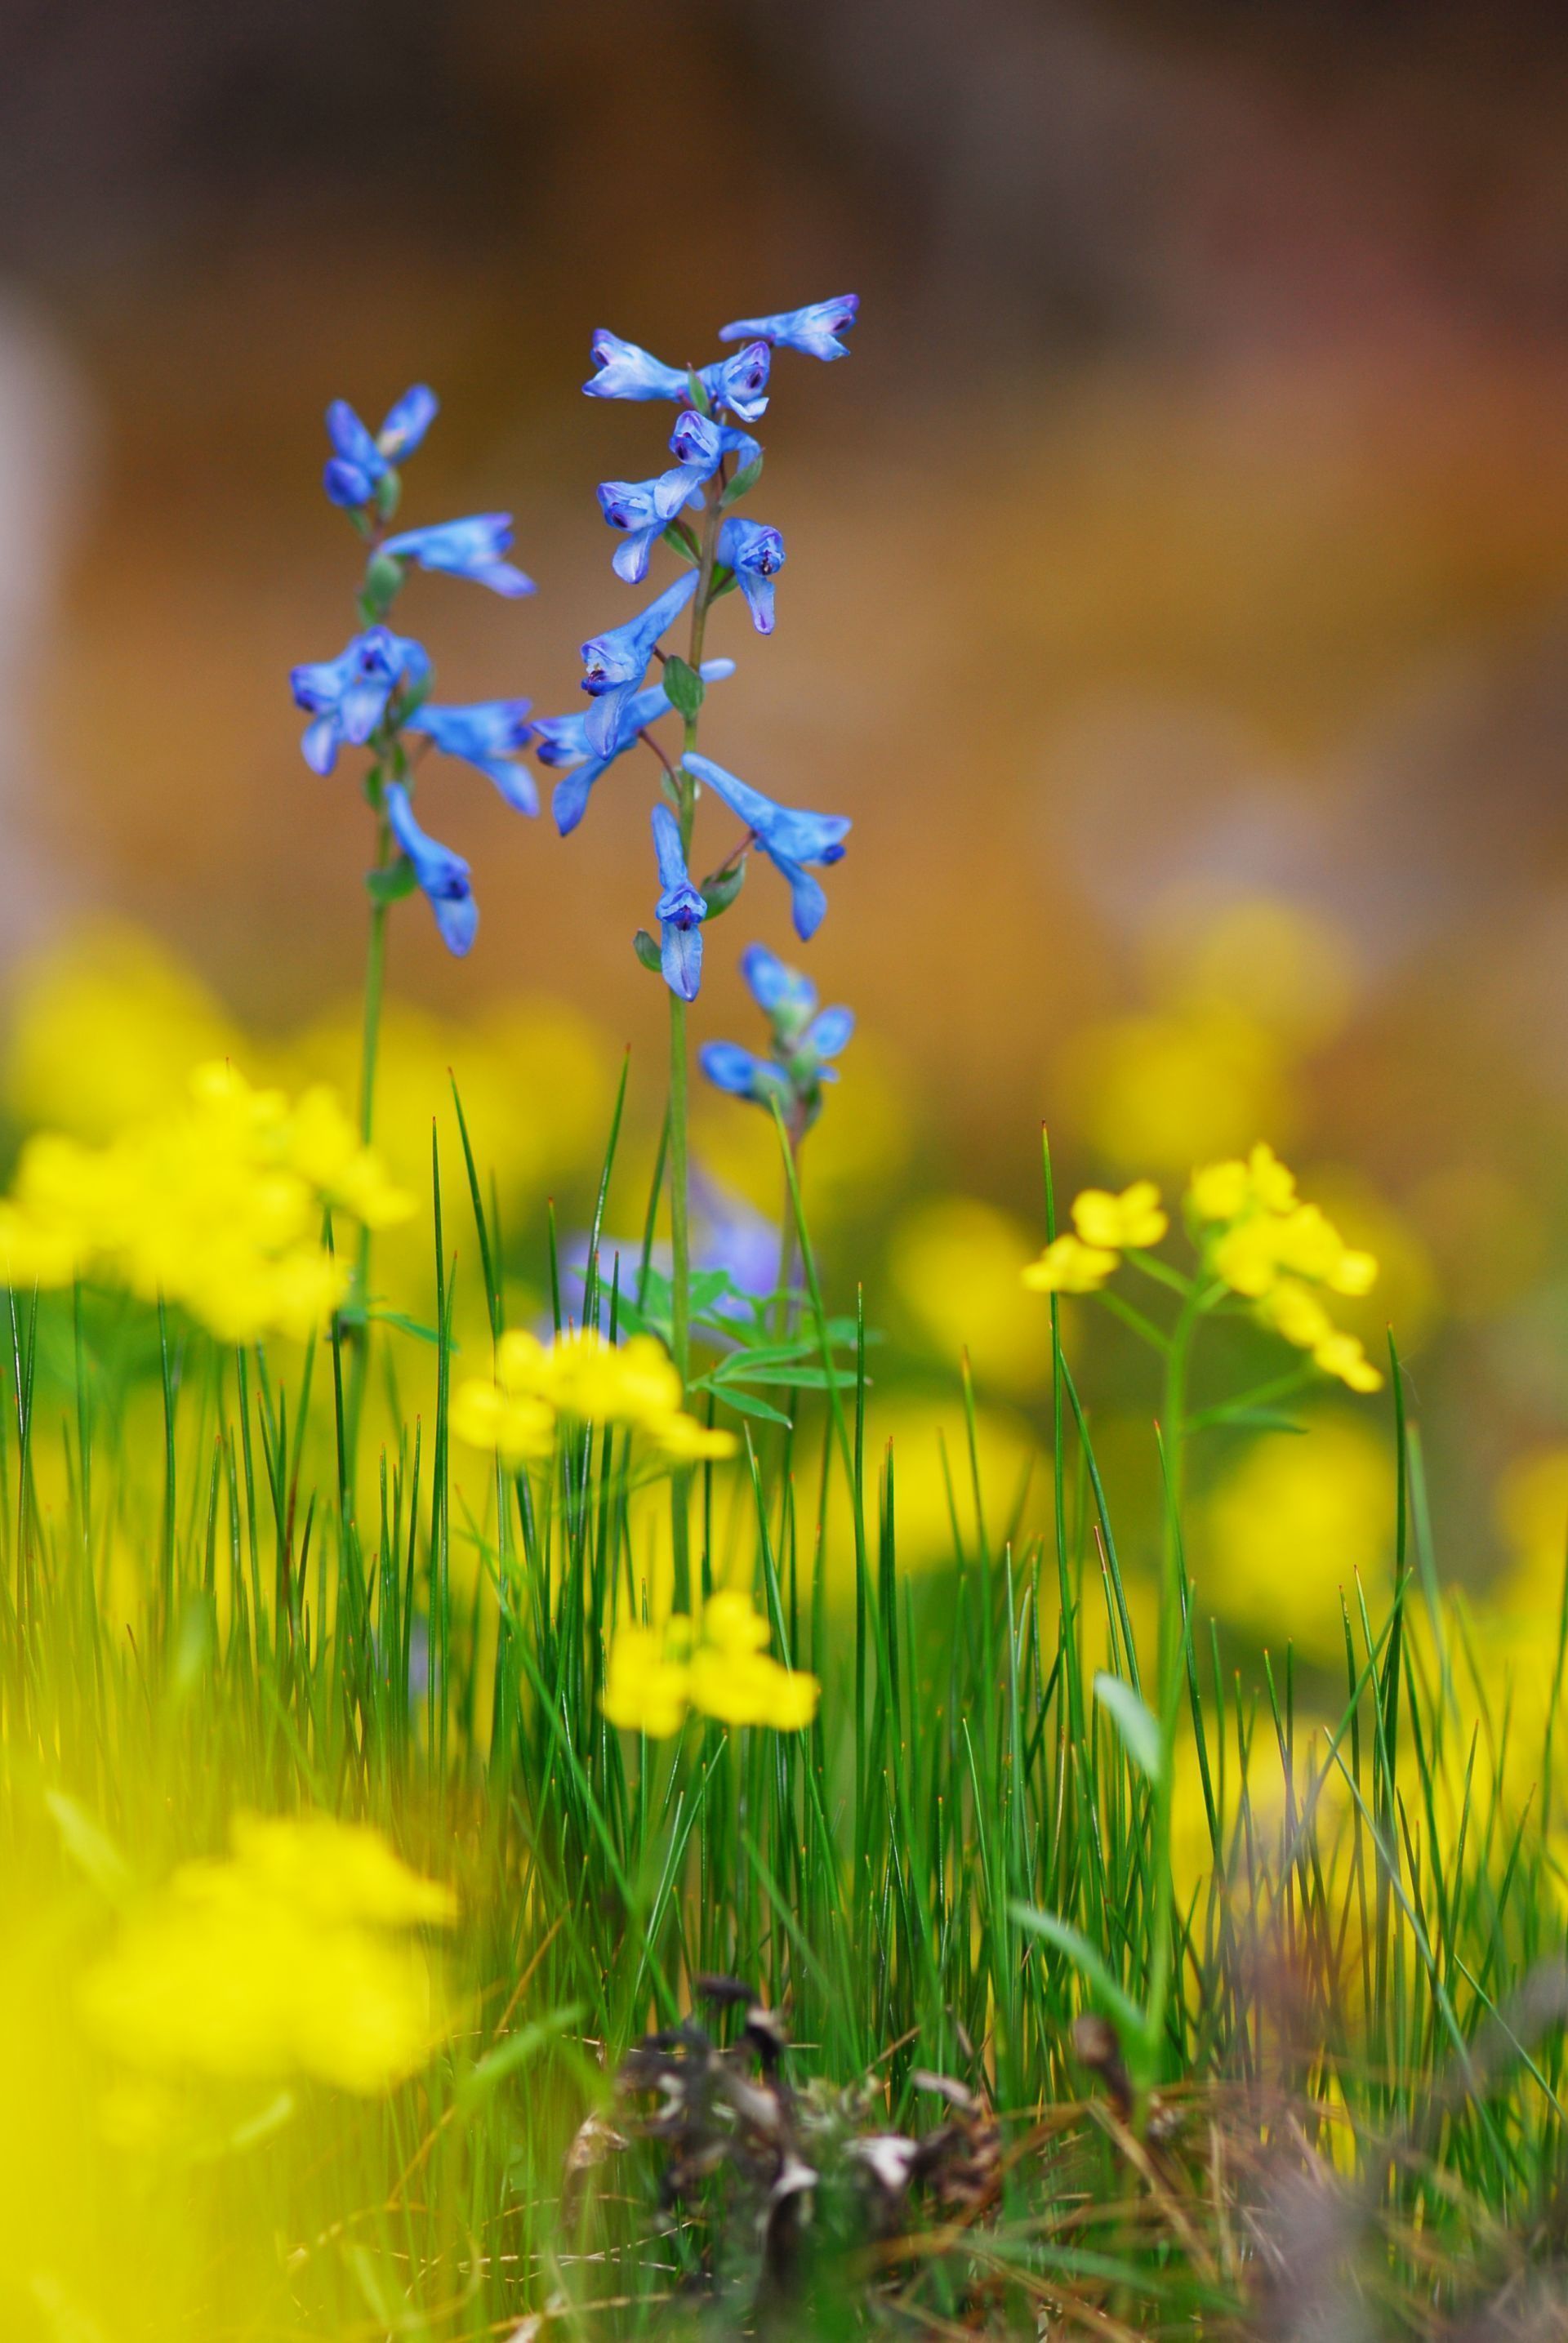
[741, 382]
[562, 740]
[359, 462]
[790, 837]
[473, 549]
[680, 909]
[756, 554]
[442, 875]
[699, 441]
[488, 733]
[785, 996]
[347, 697]
[814, 330]
[615, 662]
[625, 371]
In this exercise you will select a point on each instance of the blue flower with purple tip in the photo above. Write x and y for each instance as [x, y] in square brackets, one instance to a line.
[625, 371]
[360, 461]
[790, 837]
[615, 662]
[488, 733]
[680, 909]
[474, 547]
[349, 697]
[562, 741]
[738, 382]
[756, 554]
[442, 875]
[814, 330]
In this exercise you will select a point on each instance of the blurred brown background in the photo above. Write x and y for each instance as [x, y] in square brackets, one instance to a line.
[1180, 555]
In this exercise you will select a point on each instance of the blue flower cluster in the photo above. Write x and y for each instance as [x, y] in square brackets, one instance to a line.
[688, 508]
[376, 693]
[804, 1039]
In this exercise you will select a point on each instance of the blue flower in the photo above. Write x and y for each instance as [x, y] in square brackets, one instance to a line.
[680, 909]
[787, 836]
[814, 330]
[486, 733]
[739, 383]
[756, 554]
[348, 696]
[700, 442]
[464, 549]
[360, 463]
[743, 1074]
[782, 993]
[615, 662]
[562, 740]
[443, 876]
[627, 372]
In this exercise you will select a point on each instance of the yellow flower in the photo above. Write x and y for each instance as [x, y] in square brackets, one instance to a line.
[954, 1263]
[732, 1625]
[1343, 1355]
[686, 1442]
[749, 1688]
[1223, 1192]
[521, 1428]
[1294, 1521]
[645, 1691]
[1114, 1223]
[290, 1957]
[1067, 1265]
[582, 1376]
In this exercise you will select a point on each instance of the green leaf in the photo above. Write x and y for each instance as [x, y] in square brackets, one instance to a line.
[1085, 1958]
[647, 950]
[515, 2050]
[720, 891]
[93, 1851]
[390, 885]
[747, 1404]
[725, 581]
[743, 483]
[680, 539]
[698, 395]
[1138, 1728]
[383, 579]
[683, 687]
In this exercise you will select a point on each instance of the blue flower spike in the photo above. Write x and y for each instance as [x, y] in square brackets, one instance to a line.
[801, 1043]
[681, 909]
[739, 383]
[814, 330]
[489, 734]
[442, 875]
[474, 547]
[615, 662]
[349, 697]
[562, 741]
[756, 554]
[360, 462]
[790, 837]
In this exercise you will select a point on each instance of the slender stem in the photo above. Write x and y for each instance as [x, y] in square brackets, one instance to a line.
[370, 1046]
[679, 1218]
[369, 1051]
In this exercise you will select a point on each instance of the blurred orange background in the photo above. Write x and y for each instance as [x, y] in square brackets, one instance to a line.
[1175, 595]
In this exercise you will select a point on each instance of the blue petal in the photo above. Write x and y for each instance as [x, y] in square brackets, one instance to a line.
[351, 440]
[345, 484]
[569, 802]
[810, 904]
[828, 1033]
[680, 956]
[774, 985]
[625, 371]
[457, 917]
[758, 593]
[407, 420]
[319, 745]
[667, 848]
[730, 1068]
[813, 329]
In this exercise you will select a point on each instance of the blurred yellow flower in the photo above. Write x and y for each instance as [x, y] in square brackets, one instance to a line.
[1296, 1519]
[1260, 956]
[216, 1206]
[954, 1263]
[1531, 1508]
[1223, 1192]
[1067, 1265]
[1114, 1223]
[1172, 1089]
[717, 1665]
[291, 1956]
[582, 1376]
[1275, 1251]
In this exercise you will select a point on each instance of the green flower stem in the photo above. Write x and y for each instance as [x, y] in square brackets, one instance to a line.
[369, 1051]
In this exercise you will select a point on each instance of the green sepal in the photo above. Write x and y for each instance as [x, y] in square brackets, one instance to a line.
[391, 884]
[680, 539]
[725, 582]
[647, 950]
[383, 581]
[720, 891]
[388, 495]
[699, 395]
[683, 687]
[743, 483]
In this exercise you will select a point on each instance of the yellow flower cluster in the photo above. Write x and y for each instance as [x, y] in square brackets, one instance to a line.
[292, 1956]
[217, 1206]
[718, 1665]
[1263, 1242]
[1107, 1226]
[587, 1379]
